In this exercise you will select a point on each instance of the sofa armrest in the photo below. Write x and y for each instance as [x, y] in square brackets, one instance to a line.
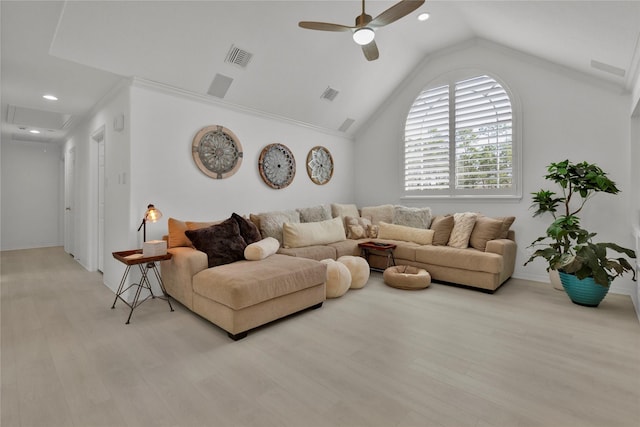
[500, 246]
[507, 248]
[178, 271]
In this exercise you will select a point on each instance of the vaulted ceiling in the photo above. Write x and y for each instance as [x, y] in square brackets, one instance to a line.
[79, 50]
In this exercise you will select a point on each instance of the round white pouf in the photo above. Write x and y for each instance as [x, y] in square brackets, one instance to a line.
[359, 269]
[338, 278]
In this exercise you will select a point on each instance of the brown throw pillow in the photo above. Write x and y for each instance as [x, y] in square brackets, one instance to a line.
[506, 225]
[176, 234]
[222, 243]
[485, 229]
[248, 230]
[442, 225]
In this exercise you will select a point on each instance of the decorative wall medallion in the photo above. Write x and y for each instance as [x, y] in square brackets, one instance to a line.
[277, 166]
[319, 165]
[217, 152]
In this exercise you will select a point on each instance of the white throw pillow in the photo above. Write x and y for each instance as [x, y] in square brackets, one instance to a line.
[261, 249]
[298, 235]
[462, 227]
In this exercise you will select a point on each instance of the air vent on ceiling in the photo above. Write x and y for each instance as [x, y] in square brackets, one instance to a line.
[346, 125]
[239, 57]
[329, 93]
[220, 85]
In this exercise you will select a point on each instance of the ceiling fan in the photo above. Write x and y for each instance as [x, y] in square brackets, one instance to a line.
[363, 31]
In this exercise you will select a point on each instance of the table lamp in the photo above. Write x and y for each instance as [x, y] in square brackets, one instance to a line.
[152, 215]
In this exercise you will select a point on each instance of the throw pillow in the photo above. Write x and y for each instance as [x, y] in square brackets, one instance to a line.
[339, 210]
[372, 231]
[442, 226]
[357, 227]
[378, 213]
[405, 234]
[506, 225]
[248, 230]
[484, 229]
[412, 217]
[312, 233]
[462, 227]
[176, 234]
[222, 243]
[271, 222]
[315, 213]
[261, 249]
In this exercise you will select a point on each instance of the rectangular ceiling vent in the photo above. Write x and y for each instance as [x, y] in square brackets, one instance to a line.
[329, 93]
[346, 125]
[239, 57]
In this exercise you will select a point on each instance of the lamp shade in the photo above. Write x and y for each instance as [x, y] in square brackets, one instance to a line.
[152, 214]
[364, 36]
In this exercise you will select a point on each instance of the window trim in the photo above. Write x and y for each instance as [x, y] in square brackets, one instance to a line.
[450, 79]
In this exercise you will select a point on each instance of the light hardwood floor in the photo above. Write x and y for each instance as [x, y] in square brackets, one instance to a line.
[378, 356]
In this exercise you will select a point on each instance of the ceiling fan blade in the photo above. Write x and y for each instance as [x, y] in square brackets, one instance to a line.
[371, 51]
[323, 26]
[396, 12]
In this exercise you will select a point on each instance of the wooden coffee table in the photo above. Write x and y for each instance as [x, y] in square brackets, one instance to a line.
[367, 247]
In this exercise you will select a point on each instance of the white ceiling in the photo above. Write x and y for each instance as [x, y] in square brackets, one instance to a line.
[79, 50]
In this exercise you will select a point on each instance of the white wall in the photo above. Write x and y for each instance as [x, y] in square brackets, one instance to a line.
[565, 115]
[117, 166]
[31, 195]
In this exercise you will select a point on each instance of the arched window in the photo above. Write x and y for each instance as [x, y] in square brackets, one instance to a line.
[459, 140]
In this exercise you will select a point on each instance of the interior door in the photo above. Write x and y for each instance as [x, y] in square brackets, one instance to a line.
[69, 200]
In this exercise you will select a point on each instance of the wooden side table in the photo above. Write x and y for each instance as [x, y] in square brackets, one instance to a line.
[388, 248]
[135, 257]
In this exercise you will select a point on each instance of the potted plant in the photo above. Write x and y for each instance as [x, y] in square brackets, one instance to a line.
[586, 269]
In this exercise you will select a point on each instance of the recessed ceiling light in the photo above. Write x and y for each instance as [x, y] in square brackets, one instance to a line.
[34, 131]
[50, 97]
[423, 16]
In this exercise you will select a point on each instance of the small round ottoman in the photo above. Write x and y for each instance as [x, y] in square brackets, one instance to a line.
[338, 278]
[406, 277]
[359, 269]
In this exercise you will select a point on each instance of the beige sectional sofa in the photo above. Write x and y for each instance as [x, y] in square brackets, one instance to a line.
[244, 294]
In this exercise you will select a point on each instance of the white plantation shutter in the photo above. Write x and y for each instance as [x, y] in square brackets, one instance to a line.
[458, 139]
[426, 141]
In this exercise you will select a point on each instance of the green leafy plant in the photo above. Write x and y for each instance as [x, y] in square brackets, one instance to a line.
[567, 246]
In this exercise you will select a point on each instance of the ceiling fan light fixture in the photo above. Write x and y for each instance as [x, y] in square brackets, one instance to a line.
[363, 36]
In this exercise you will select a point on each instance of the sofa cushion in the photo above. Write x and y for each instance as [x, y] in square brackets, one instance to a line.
[357, 227]
[405, 234]
[177, 238]
[312, 233]
[506, 225]
[222, 243]
[248, 230]
[442, 226]
[378, 213]
[261, 249]
[271, 222]
[462, 227]
[245, 283]
[485, 229]
[465, 259]
[317, 252]
[412, 217]
[345, 247]
[343, 210]
[403, 251]
[315, 213]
